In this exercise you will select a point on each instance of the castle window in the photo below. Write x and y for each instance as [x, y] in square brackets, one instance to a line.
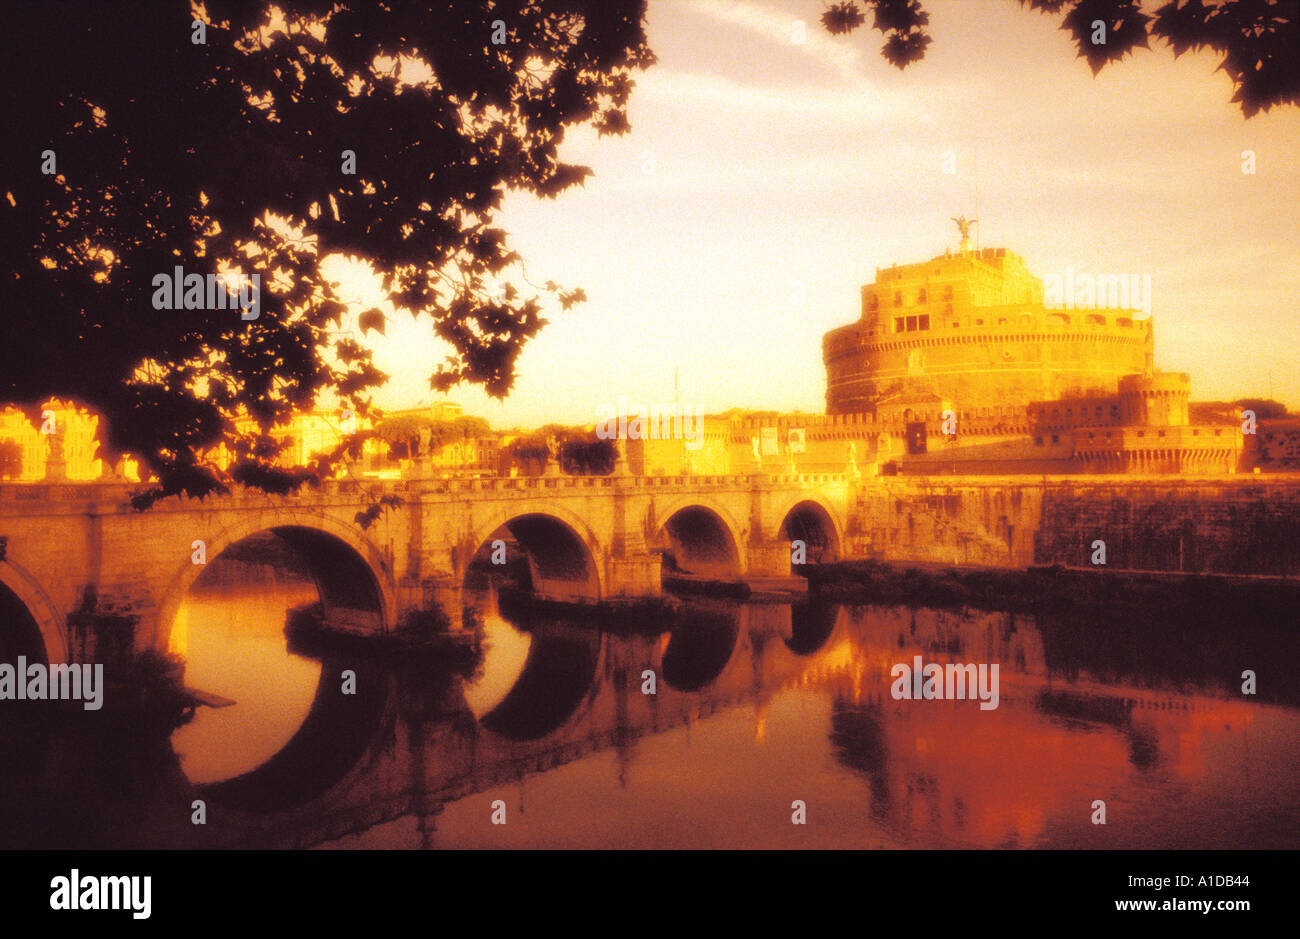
[898, 324]
[1002, 321]
[979, 322]
[947, 292]
[920, 296]
[1038, 441]
[924, 321]
[1162, 433]
[911, 324]
[898, 298]
[956, 325]
[1123, 321]
[1097, 319]
[1056, 438]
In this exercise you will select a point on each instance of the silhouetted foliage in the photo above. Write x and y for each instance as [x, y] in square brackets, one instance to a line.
[1264, 408]
[1256, 38]
[230, 154]
[588, 457]
[367, 516]
[530, 453]
[578, 451]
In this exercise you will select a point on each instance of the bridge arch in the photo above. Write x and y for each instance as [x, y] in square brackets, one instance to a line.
[322, 541]
[563, 552]
[20, 589]
[811, 520]
[703, 537]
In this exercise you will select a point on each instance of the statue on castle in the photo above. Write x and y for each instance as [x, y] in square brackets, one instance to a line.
[964, 226]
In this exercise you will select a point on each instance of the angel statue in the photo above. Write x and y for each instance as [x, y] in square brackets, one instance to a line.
[964, 225]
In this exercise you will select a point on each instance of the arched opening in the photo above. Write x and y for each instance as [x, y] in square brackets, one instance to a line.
[24, 736]
[20, 634]
[698, 541]
[810, 523]
[230, 630]
[538, 554]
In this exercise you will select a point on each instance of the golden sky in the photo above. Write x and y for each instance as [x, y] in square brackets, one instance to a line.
[765, 179]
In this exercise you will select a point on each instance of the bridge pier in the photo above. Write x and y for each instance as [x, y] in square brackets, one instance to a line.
[448, 592]
[770, 559]
[636, 575]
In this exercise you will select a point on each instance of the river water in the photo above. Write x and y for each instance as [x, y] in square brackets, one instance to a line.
[770, 726]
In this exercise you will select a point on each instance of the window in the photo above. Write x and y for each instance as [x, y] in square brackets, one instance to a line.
[920, 296]
[924, 321]
[911, 324]
[872, 302]
[1056, 438]
[947, 292]
[1038, 441]
[898, 324]
[979, 322]
[1002, 321]
[956, 325]
[898, 298]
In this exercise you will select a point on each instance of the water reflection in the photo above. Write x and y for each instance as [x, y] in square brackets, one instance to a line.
[233, 643]
[756, 705]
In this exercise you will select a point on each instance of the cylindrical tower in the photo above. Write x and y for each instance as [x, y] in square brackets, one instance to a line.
[1155, 400]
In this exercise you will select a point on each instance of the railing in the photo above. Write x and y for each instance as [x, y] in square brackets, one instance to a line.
[331, 491]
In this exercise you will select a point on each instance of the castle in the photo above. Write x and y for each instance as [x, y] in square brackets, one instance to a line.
[958, 366]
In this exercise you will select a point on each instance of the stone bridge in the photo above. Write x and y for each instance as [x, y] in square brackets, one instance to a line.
[82, 574]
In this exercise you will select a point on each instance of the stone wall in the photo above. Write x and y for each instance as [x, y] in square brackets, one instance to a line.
[1241, 525]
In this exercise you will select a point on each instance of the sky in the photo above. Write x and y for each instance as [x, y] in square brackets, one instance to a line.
[772, 168]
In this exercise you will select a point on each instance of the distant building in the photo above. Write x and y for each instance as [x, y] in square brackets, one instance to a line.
[70, 453]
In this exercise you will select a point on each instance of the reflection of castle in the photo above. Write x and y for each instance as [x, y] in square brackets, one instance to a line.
[959, 366]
